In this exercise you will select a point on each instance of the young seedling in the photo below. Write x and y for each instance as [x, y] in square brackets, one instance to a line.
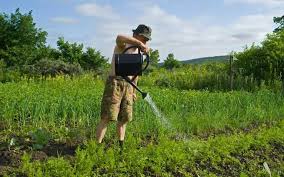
[40, 138]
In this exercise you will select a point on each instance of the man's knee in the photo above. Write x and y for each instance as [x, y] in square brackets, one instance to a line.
[122, 122]
[104, 121]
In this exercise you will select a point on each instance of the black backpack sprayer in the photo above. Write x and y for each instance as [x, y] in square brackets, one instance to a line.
[131, 65]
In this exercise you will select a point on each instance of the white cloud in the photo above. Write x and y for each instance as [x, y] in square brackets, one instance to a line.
[252, 27]
[100, 11]
[64, 20]
[185, 38]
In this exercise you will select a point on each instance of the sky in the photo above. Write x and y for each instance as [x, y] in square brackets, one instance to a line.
[187, 28]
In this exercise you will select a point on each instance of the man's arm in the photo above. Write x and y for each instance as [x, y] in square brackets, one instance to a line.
[121, 40]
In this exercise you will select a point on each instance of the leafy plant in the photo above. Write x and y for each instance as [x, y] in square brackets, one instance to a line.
[40, 138]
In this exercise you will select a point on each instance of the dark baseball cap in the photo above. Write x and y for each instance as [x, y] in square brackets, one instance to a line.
[143, 30]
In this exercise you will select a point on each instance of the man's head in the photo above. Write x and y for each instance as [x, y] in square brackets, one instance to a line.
[142, 33]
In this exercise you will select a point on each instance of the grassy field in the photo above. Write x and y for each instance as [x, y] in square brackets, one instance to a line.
[47, 128]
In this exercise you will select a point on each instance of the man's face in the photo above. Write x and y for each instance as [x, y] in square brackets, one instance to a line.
[142, 38]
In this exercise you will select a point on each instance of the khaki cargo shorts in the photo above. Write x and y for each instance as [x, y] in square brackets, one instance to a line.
[117, 100]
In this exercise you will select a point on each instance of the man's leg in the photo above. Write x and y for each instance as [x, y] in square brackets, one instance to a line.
[125, 114]
[121, 128]
[101, 130]
[110, 105]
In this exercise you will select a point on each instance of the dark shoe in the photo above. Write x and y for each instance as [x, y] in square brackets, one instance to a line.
[121, 146]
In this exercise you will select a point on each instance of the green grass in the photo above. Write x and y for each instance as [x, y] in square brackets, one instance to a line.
[235, 155]
[76, 103]
[211, 133]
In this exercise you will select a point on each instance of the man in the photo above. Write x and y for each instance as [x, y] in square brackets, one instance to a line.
[119, 95]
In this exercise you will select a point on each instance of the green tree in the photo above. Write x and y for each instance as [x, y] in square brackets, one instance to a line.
[70, 52]
[265, 62]
[93, 60]
[280, 22]
[273, 48]
[73, 53]
[252, 62]
[46, 67]
[20, 39]
[171, 62]
[154, 57]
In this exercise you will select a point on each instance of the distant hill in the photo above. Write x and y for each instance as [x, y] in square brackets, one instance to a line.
[223, 58]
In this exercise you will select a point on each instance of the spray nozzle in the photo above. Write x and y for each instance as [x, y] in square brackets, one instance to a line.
[144, 95]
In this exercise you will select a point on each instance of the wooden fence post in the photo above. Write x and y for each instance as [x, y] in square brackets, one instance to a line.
[231, 72]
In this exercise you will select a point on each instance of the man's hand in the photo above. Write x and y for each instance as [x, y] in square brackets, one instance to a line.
[121, 40]
[144, 48]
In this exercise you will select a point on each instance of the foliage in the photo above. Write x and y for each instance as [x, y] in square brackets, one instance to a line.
[210, 134]
[264, 62]
[155, 58]
[232, 155]
[46, 67]
[8, 75]
[212, 76]
[2, 70]
[23, 51]
[20, 39]
[93, 60]
[274, 52]
[280, 21]
[40, 138]
[171, 62]
[35, 103]
[53, 167]
[71, 53]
